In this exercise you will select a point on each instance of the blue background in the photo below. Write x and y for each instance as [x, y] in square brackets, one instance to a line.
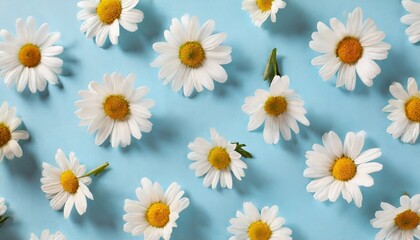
[275, 176]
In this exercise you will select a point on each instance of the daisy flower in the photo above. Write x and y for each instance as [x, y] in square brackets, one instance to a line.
[341, 168]
[3, 209]
[349, 50]
[154, 214]
[280, 107]
[260, 10]
[256, 225]
[30, 58]
[192, 56]
[102, 18]
[115, 109]
[412, 19]
[217, 160]
[9, 136]
[402, 223]
[67, 185]
[46, 235]
[404, 111]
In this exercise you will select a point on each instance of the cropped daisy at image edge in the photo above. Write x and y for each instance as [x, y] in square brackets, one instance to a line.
[3, 209]
[30, 59]
[155, 211]
[404, 111]
[260, 10]
[412, 19]
[252, 224]
[402, 223]
[9, 134]
[47, 235]
[102, 18]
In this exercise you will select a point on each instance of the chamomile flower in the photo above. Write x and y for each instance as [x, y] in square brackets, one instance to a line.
[255, 225]
[192, 56]
[116, 109]
[9, 136]
[46, 235]
[280, 107]
[3, 209]
[155, 212]
[349, 49]
[404, 111]
[260, 10]
[402, 223]
[67, 185]
[30, 59]
[102, 18]
[412, 19]
[216, 160]
[340, 169]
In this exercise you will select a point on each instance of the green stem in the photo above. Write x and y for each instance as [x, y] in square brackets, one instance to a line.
[3, 219]
[97, 170]
[240, 150]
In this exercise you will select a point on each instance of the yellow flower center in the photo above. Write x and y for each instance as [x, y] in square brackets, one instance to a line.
[219, 158]
[349, 50]
[30, 55]
[192, 54]
[69, 181]
[158, 214]
[109, 10]
[412, 109]
[259, 231]
[116, 107]
[5, 134]
[264, 5]
[407, 220]
[344, 169]
[275, 106]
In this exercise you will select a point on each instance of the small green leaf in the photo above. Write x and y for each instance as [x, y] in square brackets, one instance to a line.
[3, 219]
[272, 68]
[243, 152]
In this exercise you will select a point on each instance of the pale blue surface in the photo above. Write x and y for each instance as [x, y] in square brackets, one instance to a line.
[275, 176]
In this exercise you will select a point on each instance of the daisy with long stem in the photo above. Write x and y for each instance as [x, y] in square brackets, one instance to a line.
[67, 185]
